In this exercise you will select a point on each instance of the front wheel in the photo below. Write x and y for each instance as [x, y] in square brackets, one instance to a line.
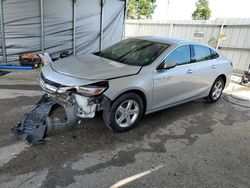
[216, 90]
[125, 112]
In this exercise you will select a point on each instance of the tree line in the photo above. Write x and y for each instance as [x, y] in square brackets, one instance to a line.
[143, 9]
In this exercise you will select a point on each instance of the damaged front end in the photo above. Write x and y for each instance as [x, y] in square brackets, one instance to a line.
[77, 101]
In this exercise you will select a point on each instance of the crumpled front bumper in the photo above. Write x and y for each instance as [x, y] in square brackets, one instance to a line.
[39, 121]
[36, 123]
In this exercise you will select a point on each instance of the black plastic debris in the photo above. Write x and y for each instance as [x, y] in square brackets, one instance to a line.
[2, 73]
[32, 127]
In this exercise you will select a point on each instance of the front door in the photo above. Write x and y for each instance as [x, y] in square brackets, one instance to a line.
[174, 85]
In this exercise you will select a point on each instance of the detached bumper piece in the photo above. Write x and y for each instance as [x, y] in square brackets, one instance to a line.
[32, 127]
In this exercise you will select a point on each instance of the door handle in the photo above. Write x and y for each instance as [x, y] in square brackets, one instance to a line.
[189, 71]
[213, 66]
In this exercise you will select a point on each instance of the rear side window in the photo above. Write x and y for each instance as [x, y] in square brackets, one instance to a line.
[214, 54]
[180, 55]
[201, 53]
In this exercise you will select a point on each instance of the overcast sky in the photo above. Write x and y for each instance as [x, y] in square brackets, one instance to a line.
[182, 9]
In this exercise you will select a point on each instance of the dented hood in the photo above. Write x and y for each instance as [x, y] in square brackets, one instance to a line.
[92, 67]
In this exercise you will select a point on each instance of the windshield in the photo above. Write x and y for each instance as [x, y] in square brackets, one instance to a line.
[134, 51]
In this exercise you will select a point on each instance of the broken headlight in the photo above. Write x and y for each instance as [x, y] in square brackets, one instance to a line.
[92, 89]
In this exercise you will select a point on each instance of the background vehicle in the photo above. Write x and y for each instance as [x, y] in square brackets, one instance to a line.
[134, 77]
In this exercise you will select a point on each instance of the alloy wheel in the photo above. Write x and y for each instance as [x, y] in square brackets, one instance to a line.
[217, 90]
[127, 113]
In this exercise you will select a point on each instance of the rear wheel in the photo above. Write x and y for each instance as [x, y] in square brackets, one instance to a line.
[125, 112]
[216, 90]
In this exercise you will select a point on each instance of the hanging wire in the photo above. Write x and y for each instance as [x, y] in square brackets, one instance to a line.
[226, 98]
[237, 100]
[231, 97]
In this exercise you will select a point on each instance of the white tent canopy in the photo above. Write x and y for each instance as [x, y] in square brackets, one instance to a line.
[54, 26]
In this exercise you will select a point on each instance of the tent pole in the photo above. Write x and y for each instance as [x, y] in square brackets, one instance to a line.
[42, 24]
[101, 26]
[2, 31]
[74, 27]
[125, 17]
[221, 31]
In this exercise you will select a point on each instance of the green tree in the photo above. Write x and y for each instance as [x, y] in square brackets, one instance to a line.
[141, 9]
[202, 11]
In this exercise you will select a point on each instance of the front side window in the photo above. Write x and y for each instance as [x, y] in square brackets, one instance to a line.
[180, 55]
[201, 53]
[136, 52]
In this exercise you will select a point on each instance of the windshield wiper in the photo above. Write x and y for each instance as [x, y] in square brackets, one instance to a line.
[100, 54]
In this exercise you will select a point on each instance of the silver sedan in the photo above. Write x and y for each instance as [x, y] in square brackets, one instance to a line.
[134, 77]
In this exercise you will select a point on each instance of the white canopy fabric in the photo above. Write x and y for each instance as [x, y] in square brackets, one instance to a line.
[49, 25]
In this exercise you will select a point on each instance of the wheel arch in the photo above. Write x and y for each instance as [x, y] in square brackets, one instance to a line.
[139, 93]
[223, 76]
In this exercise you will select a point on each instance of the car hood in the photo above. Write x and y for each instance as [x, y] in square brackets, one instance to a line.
[92, 67]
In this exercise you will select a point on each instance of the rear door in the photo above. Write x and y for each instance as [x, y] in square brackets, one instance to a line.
[205, 68]
[176, 84]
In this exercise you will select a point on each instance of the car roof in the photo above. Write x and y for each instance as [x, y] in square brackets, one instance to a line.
[170, 40]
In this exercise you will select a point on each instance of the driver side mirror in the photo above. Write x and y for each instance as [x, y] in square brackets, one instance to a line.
[167, 65]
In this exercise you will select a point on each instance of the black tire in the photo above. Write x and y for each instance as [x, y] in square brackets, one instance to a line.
[211, 98]
[109, 116]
